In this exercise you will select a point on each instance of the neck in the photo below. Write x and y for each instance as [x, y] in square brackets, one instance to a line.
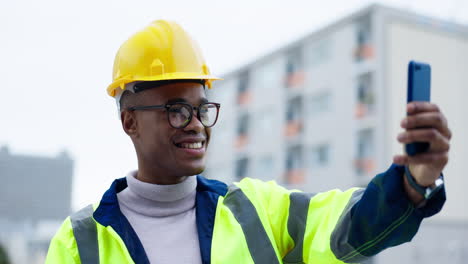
[150, 176]
[156, 175]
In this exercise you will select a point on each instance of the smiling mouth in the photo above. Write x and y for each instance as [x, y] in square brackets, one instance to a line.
[193, 145]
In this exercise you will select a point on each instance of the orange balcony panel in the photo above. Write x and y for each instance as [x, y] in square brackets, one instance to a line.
[293, 128]
[365, 51]
[367, 165]
[244, 98]
[241, 141]
[361, 110]
[295, 176]
[295, 79]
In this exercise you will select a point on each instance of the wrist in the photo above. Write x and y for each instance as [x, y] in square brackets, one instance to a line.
[426, 191]
[421, 176]
[415, 197]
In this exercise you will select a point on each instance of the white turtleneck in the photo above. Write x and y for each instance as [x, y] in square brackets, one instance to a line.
[163, 216]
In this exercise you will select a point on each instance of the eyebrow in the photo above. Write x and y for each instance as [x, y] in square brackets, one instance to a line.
[182, 100]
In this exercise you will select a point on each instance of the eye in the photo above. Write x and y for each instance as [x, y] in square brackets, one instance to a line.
[203, 110]
[175, 109]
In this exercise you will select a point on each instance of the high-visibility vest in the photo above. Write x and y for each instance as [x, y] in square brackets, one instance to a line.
[257, 222]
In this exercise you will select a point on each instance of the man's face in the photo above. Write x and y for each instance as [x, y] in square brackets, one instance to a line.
[169, 152]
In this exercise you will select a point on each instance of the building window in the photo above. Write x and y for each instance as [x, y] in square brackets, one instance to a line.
[294, 109]
[318, 53]
[320, 103]
[320, 156]
[265, 119]
[242, 130]
[295, 74]
[294, 166]
[294, 116]
[365, 49]
[243, 124]
[224, 93]
[267, 76]
[242, 166]
[223, 170]
[244, 95]
[365, 163]
[265, 169]
[365, 96]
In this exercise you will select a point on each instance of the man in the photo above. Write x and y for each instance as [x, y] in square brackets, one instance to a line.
[165, 212]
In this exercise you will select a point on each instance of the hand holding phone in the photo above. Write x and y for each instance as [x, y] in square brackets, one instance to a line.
[419, 89]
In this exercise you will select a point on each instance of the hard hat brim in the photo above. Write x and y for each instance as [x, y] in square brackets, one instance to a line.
[120, 83]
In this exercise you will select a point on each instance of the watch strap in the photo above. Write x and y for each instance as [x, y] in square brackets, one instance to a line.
[426, 192]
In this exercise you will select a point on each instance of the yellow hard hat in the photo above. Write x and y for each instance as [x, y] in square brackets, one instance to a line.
[162, 51]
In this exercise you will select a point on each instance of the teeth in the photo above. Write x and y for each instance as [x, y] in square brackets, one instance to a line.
[195, 145]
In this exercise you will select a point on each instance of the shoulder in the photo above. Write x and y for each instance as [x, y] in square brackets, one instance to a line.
[63, 242]
[259, 192]
[210, 185]
[256, 185]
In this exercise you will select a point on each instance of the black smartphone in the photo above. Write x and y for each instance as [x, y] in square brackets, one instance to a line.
[419, 89]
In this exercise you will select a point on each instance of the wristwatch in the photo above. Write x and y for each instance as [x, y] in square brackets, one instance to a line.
[427, 192]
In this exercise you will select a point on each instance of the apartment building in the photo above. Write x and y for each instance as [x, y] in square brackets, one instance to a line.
[323, 112]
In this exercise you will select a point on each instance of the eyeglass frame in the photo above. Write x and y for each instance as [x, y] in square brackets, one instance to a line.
[169, 105]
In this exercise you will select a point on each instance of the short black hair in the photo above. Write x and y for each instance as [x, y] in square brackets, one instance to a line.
[128, 99]
[139, 87]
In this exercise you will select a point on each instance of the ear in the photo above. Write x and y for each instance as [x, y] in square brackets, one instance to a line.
[129, 122]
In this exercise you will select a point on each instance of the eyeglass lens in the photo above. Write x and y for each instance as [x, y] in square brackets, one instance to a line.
[180, 114]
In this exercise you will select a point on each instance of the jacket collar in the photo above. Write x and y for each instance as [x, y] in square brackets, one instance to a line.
[208, 191]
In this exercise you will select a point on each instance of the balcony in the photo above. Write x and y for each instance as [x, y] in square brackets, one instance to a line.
[364, 35]
[295, 80]
[295, 173]
[362, 110]
[364, 166]
[293, 128]
[295, 74]
[241, 141]
[242, 138]
[295, 176]
[294, 114]
[244, 98]
[364, 162]
[365, 96]
[364, 52]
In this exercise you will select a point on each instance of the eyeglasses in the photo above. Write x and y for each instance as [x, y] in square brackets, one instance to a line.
[179, 115]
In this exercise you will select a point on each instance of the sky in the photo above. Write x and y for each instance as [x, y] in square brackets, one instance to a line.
[56, 61]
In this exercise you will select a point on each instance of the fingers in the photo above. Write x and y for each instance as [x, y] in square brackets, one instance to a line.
[428, 119]
[425, 123]
[437, 141]
[438, 159]
[418, 107]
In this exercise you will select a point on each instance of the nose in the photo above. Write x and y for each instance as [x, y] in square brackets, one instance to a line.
[195, 124]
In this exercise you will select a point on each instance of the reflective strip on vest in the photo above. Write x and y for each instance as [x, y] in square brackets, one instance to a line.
[258, 242]
[297, 220]
[339, 238]
[85, 232]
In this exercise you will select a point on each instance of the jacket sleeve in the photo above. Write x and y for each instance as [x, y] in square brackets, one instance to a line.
[63, 247]
[379, 217]
[336, 226]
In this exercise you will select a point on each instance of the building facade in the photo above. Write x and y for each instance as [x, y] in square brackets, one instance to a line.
[35, 197]
[324, 113]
